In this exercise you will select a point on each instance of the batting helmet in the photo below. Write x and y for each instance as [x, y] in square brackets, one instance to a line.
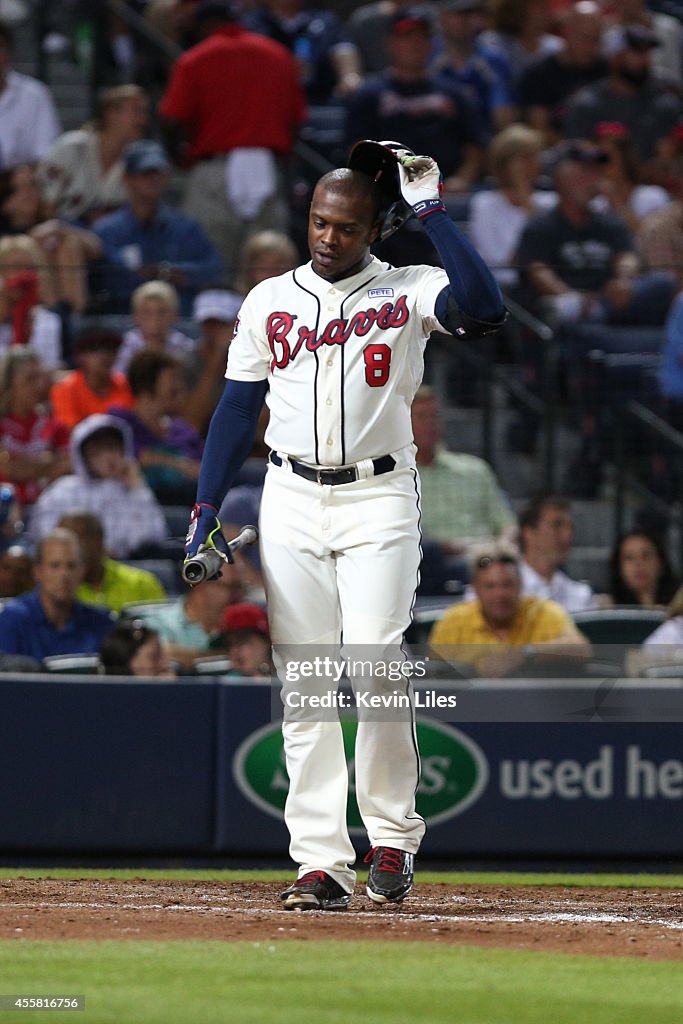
[380, 161]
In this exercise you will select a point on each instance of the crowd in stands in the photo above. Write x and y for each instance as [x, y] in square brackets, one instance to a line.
[128, 244]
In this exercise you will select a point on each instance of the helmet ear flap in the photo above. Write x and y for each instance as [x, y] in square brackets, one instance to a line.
[379, 160]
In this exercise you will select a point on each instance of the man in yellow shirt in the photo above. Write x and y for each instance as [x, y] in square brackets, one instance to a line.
[106, 582]
[501, 630]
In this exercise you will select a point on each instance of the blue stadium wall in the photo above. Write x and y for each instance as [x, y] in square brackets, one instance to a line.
[195, 767]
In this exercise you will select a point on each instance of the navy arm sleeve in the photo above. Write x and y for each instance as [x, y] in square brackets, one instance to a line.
[230, 437]
[472, 303]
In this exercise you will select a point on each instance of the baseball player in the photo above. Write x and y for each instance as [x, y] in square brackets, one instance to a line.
[336, 349]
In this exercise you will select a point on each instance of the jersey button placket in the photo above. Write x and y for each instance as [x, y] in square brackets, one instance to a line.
[329, 422]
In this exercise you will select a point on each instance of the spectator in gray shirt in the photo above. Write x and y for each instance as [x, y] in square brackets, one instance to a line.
[630, 94]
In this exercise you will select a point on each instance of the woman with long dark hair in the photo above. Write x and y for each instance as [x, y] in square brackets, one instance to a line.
[641, 572]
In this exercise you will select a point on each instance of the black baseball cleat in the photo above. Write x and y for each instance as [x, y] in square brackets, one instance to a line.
[315, 890]
[391, 874]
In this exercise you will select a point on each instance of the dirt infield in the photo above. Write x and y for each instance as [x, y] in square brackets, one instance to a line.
[645, 923]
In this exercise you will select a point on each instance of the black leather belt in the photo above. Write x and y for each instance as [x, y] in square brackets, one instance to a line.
[347, 475]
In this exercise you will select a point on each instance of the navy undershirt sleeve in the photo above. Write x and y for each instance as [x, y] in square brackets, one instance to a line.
[472, 285]
[230, 437]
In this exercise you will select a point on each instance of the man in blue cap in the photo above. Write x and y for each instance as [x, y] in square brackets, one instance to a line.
[146, 240]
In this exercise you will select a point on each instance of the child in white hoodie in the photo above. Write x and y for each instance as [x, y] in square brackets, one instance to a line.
[107, 481]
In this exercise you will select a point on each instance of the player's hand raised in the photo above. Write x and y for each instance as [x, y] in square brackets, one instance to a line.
[421, 182]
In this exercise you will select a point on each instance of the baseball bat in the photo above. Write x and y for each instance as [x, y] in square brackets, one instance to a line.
[207, 563]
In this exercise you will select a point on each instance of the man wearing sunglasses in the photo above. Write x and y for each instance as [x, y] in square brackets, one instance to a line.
[501, 632]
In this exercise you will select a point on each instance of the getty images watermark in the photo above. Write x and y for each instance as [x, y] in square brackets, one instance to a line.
[372, 685]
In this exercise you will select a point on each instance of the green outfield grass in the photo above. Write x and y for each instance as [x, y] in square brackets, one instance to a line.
[622, 880]
[292, 981]
[289, 982]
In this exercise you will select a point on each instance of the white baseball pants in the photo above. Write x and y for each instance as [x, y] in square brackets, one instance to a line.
[343, 559]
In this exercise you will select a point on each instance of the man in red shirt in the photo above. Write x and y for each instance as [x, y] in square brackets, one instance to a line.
[231, 112]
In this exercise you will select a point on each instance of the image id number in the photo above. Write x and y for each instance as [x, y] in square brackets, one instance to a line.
[46, 1002]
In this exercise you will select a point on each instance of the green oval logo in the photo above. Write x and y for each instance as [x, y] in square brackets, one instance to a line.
[454, 771]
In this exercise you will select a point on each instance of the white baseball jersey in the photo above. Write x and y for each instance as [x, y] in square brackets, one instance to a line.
[343, 358]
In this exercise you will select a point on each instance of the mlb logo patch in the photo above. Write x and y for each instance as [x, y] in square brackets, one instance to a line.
[381, 293]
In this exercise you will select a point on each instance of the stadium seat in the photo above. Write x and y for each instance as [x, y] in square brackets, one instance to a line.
[177, 518]
[669, 670]
[12, 663]
[218, 665]
[625, 625]
[425, 613]
[143, 609]
[608, 364]
[74, 664]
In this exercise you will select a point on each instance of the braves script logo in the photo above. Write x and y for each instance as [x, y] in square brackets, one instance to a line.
[281, 338]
